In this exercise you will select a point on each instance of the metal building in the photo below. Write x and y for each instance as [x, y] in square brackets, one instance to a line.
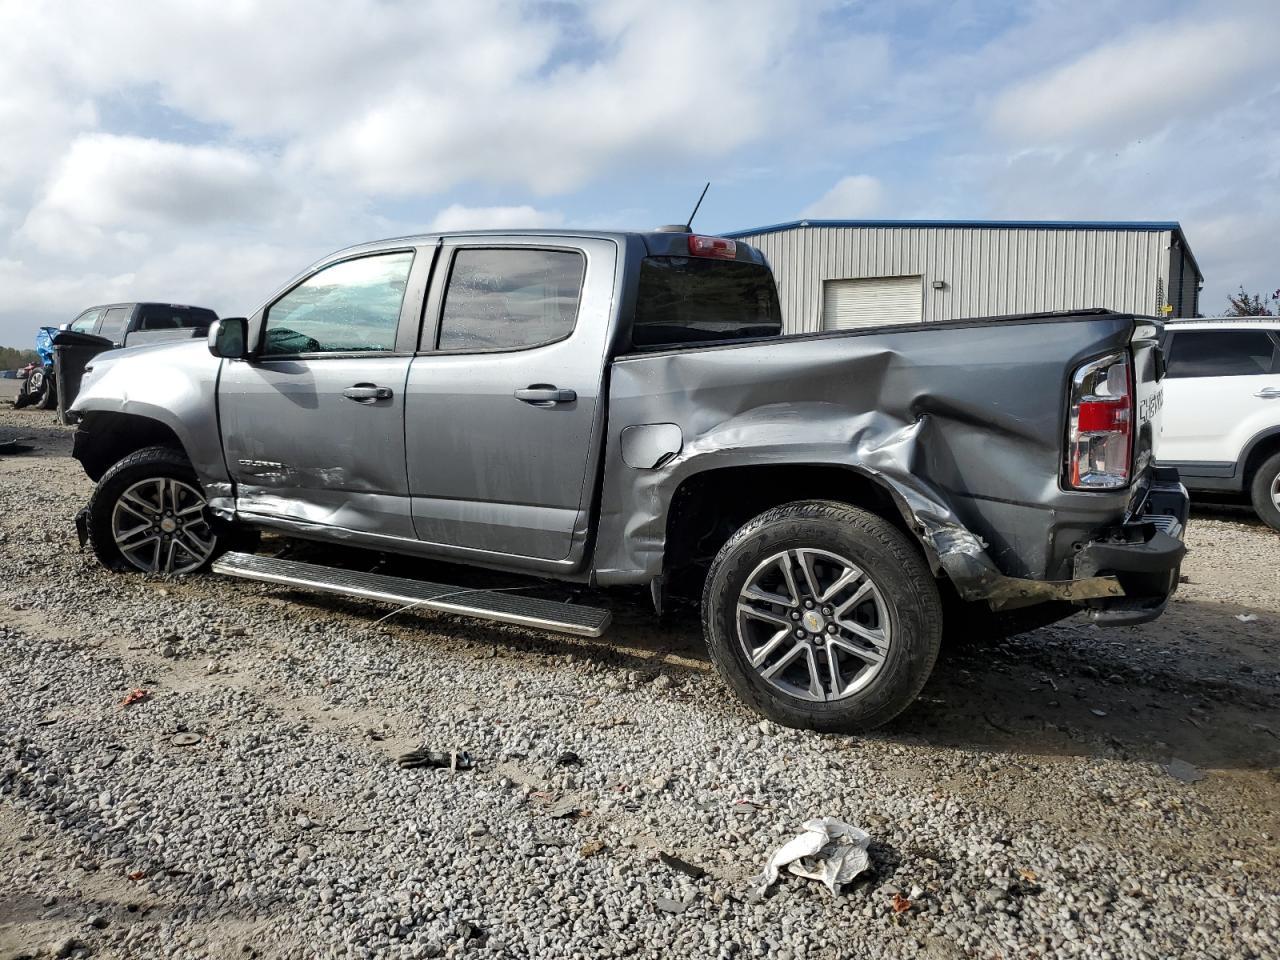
[834, 274]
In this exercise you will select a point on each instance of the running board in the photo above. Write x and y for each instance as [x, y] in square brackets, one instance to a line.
[483, 604]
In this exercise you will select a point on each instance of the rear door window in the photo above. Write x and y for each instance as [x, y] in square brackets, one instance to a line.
[1221, 353]
[510, 298]
[114, 323]
[693, 300]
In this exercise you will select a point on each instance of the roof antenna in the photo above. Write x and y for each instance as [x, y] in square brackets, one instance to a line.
[688, 226]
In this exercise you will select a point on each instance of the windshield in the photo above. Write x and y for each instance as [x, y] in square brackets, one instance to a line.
[698, 300]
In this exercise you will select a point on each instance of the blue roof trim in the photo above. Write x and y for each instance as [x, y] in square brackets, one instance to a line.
[996, 224]
[1145, 225]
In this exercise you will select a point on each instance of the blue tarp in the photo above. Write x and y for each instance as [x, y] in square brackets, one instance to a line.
[44, 344]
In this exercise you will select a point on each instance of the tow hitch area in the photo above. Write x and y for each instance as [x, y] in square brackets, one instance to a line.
[1144, 555]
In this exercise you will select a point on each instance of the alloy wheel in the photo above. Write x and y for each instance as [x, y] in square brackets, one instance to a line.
[813, 624]
[162, 526]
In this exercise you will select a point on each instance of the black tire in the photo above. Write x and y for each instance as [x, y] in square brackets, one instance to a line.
[149, 463]
[49, 399]
[1263, 491]
[906, 588]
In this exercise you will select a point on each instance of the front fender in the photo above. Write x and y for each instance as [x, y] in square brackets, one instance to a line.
[173, 384]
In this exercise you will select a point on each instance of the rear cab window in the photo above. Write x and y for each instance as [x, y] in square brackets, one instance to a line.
[164, 316]
[694, 300]
[1221, 353]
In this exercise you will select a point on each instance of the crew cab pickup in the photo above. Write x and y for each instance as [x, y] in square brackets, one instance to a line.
[622, 409]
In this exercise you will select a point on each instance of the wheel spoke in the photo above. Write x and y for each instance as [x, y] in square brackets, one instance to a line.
[875, 637]
[804, 560]
[765, 652]
[766, 616]
[859, 595]
[784, 661]
[873, 656]
[815, 681]
[850, 575]
[833, 665]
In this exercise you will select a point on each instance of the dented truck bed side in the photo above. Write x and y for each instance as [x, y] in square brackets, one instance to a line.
[961, 423]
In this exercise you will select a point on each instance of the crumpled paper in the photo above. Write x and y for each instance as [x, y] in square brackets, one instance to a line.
[828, 849]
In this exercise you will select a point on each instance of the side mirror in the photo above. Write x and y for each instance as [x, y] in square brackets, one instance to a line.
[228, 336]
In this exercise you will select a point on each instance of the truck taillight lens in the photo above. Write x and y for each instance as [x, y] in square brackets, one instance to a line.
[1100, 425]
[717, 247]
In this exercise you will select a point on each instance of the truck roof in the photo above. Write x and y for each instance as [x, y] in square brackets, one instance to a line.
[657, 243]
[1219, 323]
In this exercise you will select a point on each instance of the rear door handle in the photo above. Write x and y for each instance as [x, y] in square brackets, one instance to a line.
[1269, 393]
[545, 395]
[367, 393]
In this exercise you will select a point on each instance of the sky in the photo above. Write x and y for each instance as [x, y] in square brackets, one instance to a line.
[205, 152]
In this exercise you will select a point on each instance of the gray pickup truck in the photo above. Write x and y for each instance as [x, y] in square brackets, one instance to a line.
[622, 409]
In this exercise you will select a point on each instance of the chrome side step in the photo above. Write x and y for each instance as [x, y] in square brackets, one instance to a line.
[483, 604]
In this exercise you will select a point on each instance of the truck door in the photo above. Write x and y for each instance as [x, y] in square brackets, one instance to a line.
[313, 423]
[1221, 389]
[504, 408]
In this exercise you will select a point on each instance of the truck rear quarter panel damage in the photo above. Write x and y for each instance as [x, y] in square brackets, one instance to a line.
[962, 423]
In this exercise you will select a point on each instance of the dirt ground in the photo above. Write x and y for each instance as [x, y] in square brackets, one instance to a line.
[1023, 730]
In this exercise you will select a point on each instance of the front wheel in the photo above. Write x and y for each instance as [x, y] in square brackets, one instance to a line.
[822, 615]
[148, 514]
[1265, 491]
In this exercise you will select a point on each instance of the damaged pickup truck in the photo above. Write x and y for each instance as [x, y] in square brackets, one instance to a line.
[623, 409]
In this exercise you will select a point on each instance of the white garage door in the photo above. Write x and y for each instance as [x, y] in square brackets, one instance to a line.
[870, 301]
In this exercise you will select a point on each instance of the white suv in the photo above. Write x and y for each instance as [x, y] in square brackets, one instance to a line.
[1222, 409]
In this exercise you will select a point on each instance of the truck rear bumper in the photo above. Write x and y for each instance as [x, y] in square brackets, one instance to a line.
[1144, 555]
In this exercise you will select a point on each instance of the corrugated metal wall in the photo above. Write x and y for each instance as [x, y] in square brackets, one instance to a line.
[987, 271]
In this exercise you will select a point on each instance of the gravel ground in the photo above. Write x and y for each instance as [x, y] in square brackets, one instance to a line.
[250, 804]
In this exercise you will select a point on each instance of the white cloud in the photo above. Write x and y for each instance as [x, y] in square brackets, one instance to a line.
[1135, 86]
[459, 217]
[114, 186]
[853, 197]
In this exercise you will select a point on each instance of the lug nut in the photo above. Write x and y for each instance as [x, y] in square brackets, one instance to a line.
[832, 628]
[809, 604]
[799, 634]
[795, 615]
[826, 611]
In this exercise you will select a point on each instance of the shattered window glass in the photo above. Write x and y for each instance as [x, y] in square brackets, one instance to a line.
[511, 298]
[350, 307]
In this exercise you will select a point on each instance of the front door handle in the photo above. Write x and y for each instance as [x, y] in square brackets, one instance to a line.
[545, 395]
[367, 393]
[1268, 393]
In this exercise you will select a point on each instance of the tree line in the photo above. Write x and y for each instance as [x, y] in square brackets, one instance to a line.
[11, 358]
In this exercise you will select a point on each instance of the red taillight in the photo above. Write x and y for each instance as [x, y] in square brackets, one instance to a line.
[1102, 416]
[712, 247]
[1100, 423]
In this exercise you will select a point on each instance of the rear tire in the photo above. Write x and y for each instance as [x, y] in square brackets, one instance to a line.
[148, 515]
[843, 643]
[1265, 491]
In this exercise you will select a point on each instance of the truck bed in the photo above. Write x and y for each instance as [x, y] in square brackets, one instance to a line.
[961, 422]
